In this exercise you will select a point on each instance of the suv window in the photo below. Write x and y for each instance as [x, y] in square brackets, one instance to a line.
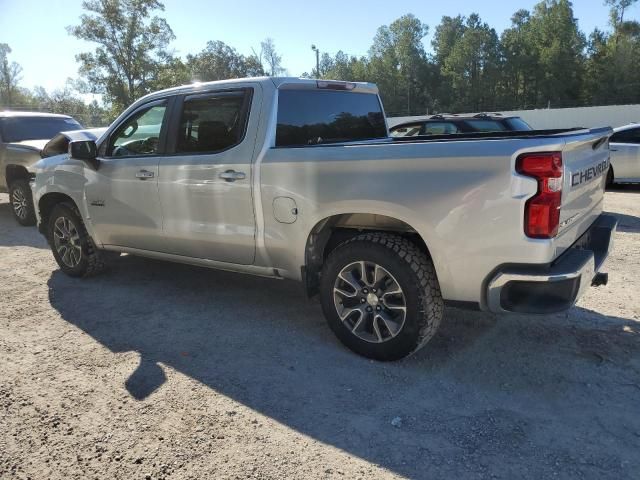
[518, 125]
[407, 130]
[212, 123]
[18, 129]
[485, 125]
[139, 134]
[311, 117]
[626, 136]
[440, 128]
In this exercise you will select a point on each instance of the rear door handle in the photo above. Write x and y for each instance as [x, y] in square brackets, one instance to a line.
[613, 149]
[144, 174]
[232, 175]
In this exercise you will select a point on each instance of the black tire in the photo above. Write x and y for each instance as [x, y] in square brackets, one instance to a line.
[91, 259]
[22, 202]
[414, 273]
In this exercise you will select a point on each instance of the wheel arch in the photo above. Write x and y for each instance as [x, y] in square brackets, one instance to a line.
[331, 231]
[47, 202]
[16, 172]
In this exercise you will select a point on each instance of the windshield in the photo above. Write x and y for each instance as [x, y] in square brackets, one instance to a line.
[18, 129]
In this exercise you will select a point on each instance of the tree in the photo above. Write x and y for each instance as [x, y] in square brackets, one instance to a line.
[271, 58]
[131, 47]
[559, 46]
[398, 64]
[219, 61]
[9, 76]
[519, 55]
[612, 70]
[472, 66]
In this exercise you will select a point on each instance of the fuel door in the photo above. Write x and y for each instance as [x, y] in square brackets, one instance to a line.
[285, 209]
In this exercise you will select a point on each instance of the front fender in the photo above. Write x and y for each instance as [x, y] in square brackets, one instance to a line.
[61, 175]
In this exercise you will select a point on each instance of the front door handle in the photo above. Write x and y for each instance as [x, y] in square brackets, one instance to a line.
[613, 149]
[232, 175]
[144, 174]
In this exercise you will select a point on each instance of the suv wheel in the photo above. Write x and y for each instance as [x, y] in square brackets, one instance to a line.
[380, 295]
[70, 243]
[22, 203]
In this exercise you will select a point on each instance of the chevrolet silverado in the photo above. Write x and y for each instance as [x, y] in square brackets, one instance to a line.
[299, 179]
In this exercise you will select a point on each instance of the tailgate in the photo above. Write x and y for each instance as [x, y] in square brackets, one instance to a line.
[586, 162]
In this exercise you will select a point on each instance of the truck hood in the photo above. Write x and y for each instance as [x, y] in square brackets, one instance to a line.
[60, 142]
[34, 145]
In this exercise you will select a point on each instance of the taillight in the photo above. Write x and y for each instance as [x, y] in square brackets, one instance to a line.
[542, 212]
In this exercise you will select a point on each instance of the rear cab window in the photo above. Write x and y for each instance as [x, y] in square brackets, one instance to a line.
[315, 116]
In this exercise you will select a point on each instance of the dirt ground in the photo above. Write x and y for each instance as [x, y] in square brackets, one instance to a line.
[156, 370]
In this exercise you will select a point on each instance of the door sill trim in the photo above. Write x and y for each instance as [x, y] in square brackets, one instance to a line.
[200, 262]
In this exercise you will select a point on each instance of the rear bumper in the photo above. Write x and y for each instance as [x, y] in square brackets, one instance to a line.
[558, 286]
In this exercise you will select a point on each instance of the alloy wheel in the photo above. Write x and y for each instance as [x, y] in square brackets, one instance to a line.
[370, 301]
[20, 204]
[66, 240]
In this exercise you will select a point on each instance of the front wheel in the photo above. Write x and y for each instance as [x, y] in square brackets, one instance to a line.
[380, 295]
[22, 203]
[70, 243]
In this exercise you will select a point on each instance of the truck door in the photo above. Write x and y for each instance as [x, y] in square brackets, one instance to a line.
[122, 194]
[205, 182]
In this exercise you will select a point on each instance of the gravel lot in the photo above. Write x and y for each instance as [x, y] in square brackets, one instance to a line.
[156, 370]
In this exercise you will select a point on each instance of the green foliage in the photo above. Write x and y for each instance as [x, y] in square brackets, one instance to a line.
[542, 59]
[219, 61]
[131, 48]
[9, 77]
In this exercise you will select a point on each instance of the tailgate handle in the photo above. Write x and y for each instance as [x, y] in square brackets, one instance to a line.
[598, 143]
[144, 174]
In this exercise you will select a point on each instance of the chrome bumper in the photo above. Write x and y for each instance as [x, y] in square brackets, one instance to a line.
[558, 286]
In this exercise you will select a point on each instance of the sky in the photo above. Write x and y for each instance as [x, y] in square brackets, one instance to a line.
[35, 29]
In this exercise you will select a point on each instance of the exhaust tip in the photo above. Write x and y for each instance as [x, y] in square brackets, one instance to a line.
[600, 279]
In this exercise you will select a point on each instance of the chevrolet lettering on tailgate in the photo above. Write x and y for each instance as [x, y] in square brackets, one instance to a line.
[590, 173]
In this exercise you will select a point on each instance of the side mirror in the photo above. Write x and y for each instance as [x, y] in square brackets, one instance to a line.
[85, 150]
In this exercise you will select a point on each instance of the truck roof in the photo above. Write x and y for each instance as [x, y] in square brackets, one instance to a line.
[279, 82]
[18, 114]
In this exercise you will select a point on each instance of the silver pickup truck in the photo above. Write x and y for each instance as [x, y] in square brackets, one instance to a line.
[22, 136]
[299, 179]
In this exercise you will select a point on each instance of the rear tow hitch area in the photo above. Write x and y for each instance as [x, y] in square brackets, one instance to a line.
[600, 279]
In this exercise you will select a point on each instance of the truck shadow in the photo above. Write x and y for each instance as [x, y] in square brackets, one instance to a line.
[471, 393]
[626, 188]
[12, 234]
[627, 223]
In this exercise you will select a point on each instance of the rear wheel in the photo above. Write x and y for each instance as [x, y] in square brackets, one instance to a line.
[22, 202]
[380, 295]
[70, 243]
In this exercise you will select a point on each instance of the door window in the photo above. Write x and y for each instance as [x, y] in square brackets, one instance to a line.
[139, 135]
[213, 123]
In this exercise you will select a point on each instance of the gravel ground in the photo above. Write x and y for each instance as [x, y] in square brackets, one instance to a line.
[156, 370]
